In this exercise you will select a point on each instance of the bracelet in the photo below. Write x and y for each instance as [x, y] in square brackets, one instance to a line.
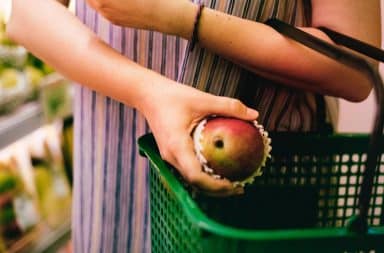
[195, 38]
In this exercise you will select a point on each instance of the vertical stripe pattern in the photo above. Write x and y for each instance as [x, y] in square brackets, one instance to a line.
[111, 200]
[281, 108]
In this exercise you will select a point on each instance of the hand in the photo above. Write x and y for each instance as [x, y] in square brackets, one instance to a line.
[171, 16]
[172, 114]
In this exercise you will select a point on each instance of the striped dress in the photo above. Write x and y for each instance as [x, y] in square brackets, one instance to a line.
[111, 200]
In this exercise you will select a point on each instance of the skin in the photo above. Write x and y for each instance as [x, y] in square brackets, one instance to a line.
[86, 59]
[256, 47]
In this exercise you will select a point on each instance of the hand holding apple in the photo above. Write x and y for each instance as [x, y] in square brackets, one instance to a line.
[172, 111]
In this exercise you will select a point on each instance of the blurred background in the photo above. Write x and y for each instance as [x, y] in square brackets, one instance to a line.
[36, 148]
[35, 151]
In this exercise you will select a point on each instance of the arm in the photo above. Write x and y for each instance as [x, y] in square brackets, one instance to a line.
[72, 49]
[260, 48]
[263, 50]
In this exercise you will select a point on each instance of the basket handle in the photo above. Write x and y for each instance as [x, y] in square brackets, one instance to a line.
[357, 223]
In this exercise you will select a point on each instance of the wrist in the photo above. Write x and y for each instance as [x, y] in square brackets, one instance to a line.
[151, 91]
[182, 17]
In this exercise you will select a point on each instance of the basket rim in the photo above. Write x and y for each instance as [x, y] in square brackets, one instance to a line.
[148, 148]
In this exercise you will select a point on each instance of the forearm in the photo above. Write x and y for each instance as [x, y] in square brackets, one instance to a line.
[262, 50]
[64, 42]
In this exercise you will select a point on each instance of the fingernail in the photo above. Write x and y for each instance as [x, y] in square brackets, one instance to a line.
[252, 113]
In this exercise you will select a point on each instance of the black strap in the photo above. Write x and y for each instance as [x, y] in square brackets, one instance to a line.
[359, 222]
[322, 126]
[354, 44]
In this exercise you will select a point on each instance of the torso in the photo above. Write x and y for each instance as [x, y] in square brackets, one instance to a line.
[111, 180]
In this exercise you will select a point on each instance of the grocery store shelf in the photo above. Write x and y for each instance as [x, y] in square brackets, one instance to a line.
[52, 241]
[43, 239]
[20, 122]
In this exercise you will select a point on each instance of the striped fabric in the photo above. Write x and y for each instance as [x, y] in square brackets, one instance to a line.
[111, 205]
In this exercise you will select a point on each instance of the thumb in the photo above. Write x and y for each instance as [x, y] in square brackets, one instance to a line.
[231, 107]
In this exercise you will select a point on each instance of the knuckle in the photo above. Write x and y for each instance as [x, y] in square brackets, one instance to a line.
[165, 154]
[110, 17]
[192, 177]
[236, 105]
[169, 147]
[94, 3]
[172, 144]
[114, 21]
[99, 5]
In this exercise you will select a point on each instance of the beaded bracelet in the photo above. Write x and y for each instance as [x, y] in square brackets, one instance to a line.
[195, 38]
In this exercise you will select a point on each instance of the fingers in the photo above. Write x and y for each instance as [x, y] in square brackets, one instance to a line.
[232, 108]
[237, 191]
[93, 3]
[185, 161]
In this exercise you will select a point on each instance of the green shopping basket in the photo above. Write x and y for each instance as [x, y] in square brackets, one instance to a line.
[318, 192]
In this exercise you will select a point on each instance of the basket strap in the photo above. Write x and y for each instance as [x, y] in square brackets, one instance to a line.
[357, 223]
[323, 126]
[354, 44]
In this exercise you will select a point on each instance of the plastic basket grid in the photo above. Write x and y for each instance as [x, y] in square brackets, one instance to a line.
[336, 176]
[168, 223]
[331, 166]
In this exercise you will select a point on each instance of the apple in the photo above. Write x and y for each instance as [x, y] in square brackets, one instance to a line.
[231, 148]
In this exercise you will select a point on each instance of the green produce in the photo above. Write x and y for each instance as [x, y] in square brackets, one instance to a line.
[2, 246]
[47, 69]
[34, 76]
[9, 78]
[67, 147]
[8, 181]
[2, 36]
[4, 40]
[43, 179]
[7, 41]
[53, 190]
[7, 215]
[14, 218]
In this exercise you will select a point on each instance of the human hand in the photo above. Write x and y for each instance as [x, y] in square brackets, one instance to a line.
[172, 16]
[172, 113]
